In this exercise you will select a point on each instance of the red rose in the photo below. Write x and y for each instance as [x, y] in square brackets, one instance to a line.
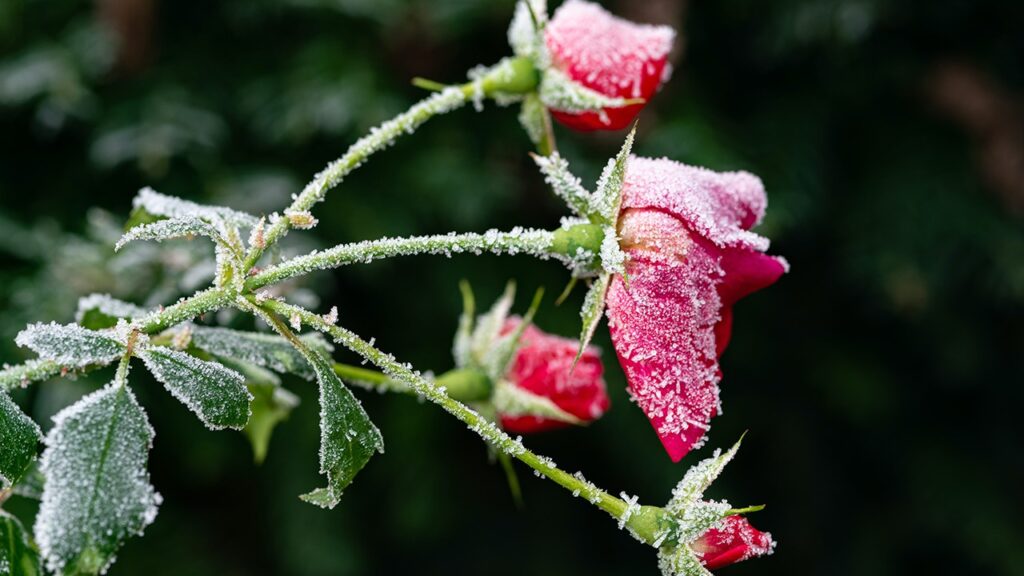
[543, 366]
[691, 256]
[736, 540]
[612, 56]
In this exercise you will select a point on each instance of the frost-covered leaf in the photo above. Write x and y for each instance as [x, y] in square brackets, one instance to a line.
[559, 92]
[97, 490]
[699, 477]
[70, 344]
[525, 33]
[170, 207]
[99, 311]
[267, 350]
[17, 557]
[607, 198]
[270, 406]
[462, 347]
[170, 228]
[19, 437]
[214, 392]
[488, 325]
[592, 311]
[347, 436]
[511, 400]
[680, 561]
[564, 183]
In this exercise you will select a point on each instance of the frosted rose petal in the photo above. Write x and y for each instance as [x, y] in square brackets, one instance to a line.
[615, 57]
[736, 540]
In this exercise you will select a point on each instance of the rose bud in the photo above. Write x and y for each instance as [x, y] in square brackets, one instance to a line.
[690, 257]
[543, 366]
[614, 57]
[734, 541]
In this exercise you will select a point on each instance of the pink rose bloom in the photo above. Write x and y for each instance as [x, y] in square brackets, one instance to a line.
[609, 55]
[542, 365]
[691, 256]
[734, 542]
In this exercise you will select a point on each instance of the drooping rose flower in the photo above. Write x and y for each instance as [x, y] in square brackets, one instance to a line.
[612, 56]
[735, 541]
[690, 257]
[543, 366]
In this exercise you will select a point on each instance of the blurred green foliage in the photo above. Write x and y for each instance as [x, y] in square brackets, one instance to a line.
[880, 380]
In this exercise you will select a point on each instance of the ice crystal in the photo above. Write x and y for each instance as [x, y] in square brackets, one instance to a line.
[19, 436]
[69, 344]
[266, 350]
[302, 220]
[215, 393]
[680, 561]
[699, 477]
[97, 490]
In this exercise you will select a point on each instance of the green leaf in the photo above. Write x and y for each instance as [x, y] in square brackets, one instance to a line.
[607, 198]
[17, 557]
[19, 437]
[99, 311]
[680, 561]
[266, 350]
[214, 392]
[69, 344]
[97, 490]
[348, 439]
[270, 406]
[157, 204]
[592, 311]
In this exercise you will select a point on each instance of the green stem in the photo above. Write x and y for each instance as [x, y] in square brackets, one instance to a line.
[533, 242]
[646, 522]
[186, 309]
[462, 384]
[510, 76]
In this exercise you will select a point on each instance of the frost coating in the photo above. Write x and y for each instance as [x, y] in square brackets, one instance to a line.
[266, 350]
[69, 344]
[19, 436]
[108, 306]
[171, 207]
[214, 392]
[97, 490]
[180, 227]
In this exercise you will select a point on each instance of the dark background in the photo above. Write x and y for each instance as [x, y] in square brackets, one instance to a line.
[880, 381]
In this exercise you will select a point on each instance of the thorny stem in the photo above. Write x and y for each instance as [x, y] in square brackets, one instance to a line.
[533, 242]
[510, 76]
[646, 522]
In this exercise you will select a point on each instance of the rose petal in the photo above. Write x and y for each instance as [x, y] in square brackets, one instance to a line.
[615, 57]
[736, 540]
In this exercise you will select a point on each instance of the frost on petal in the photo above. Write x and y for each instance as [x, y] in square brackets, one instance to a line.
[720, 206]
[610, 55]
[662, 325]
[734, 540]
[97, 490]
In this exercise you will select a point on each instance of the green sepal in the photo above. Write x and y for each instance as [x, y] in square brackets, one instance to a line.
[592, 311]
